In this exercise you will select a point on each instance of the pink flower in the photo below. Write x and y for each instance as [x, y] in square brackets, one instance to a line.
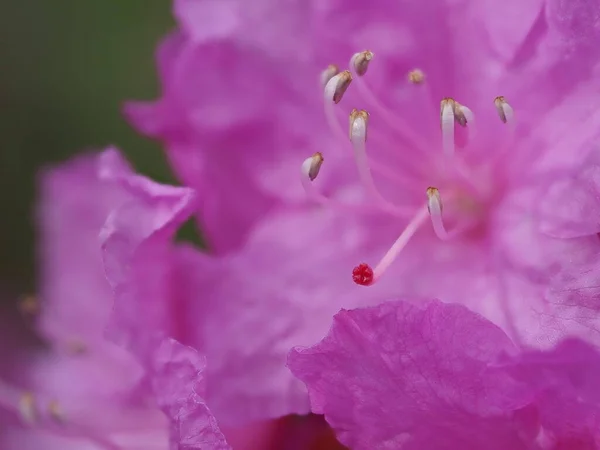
[448, 202]
[423, 374]
[85, 391]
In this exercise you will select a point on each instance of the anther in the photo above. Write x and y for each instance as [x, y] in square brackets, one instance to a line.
[450, 112]
[312, 165]
[361, 62]
[416, 76]
[337, 85]
[505, 111]
[331, 71]
[434, 206]
[28, 408]
[56, 412]
[358, 124]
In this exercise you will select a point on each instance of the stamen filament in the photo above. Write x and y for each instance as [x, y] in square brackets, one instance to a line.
[308, 173]
[447, 122]
[358, 137]
[393, 121]
[374, 275]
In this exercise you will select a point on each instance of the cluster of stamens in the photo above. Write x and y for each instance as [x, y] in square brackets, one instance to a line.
[335, 85]
[44, 413]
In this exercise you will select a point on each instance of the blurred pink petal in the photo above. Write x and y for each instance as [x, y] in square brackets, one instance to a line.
[86, 392]
[179, 385]
[83, 391]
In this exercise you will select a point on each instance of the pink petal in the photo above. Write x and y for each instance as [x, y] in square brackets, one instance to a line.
[179, 385]
[413, 374]
[565, 382]
[269, 302]
[571, 206]
[139, 261]
[575, 295]
[74, 203]
[207, 19]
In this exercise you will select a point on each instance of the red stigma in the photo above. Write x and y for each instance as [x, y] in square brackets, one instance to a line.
[362, 274]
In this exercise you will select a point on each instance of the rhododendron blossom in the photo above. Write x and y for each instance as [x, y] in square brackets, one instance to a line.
[450, 156]
[426, 136]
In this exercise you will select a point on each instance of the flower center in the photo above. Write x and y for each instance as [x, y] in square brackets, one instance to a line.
[460, 190]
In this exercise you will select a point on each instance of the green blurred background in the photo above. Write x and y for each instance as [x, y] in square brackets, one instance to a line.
[66, 68]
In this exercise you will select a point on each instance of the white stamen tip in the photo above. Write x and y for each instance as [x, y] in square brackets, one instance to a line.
[311, 166]
[416, 76]
[331, 71]
[460, 113]
[337, 85]
[358, 125]
[505, 111]
[434, 205]
[361, 61]
[434, 201]
[28, 408]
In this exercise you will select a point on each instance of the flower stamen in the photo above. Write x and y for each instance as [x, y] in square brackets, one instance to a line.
[331, 71]
[28, 408]
[361, 61]
[505, 111]
[334, 89]
[358, 136]
[55, 412]
[434, 206]
[365, 276]
[447, 109]
[453, 112]
[507, 116]
[309, 170]
[416, 76]
[312, 166]
[337, 86]
[394, 121]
